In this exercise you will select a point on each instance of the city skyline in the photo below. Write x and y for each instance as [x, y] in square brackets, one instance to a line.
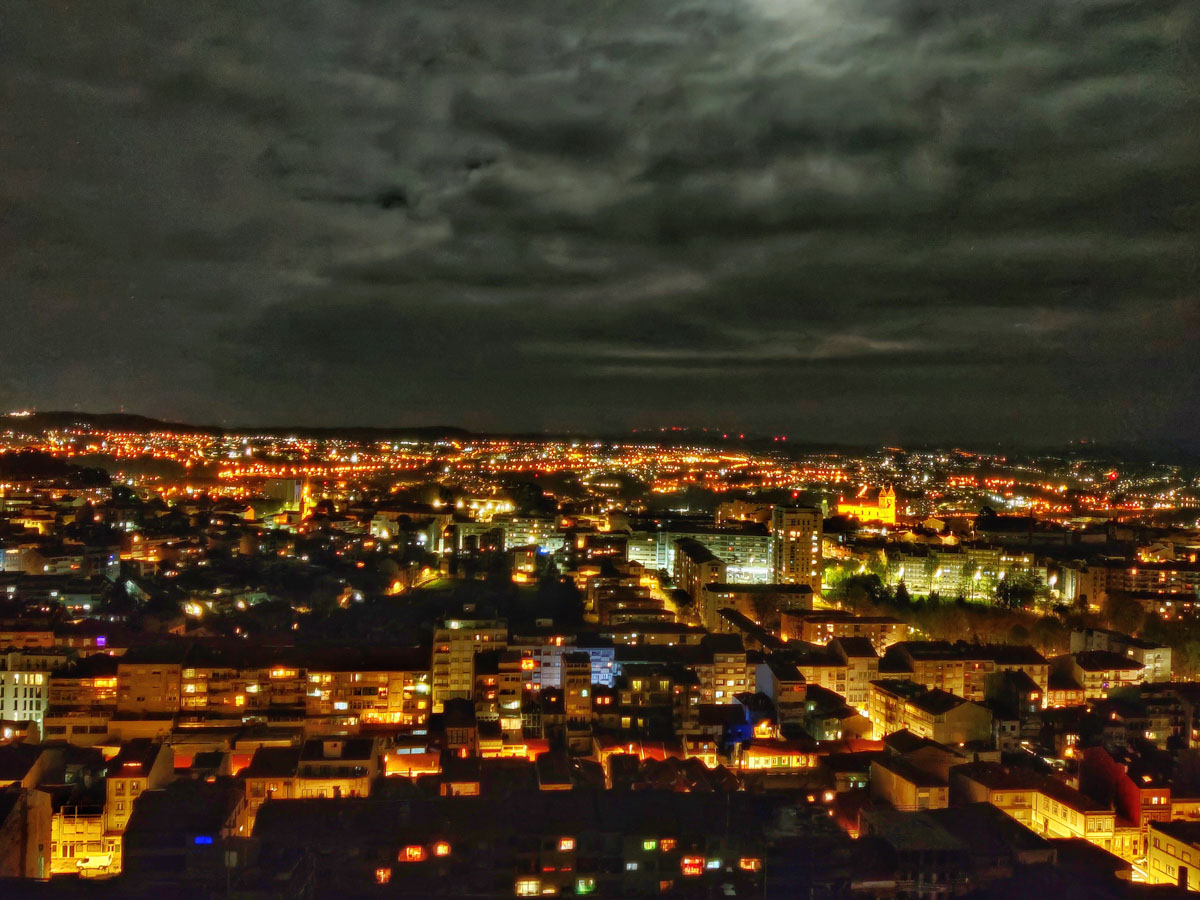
[1132, 451]
[696, 666]
[869, 222]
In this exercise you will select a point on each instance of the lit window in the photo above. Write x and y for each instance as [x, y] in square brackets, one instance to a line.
[666, 845]
[749, 864]
[631, 867]
[712, 863]
[412, 853]
[383, 876]
[529, 887]
[565, 844]
[649, 846]
[585, 885]
[692, 866]
[441, 848]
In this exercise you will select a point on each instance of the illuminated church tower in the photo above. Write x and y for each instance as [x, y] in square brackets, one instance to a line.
[882, 511]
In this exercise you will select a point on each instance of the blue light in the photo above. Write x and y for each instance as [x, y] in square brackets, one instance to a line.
[202, 839]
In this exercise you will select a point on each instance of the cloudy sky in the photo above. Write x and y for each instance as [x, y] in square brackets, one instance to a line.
[841, 219]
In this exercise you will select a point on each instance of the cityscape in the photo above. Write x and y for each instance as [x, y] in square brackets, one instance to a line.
[674, 449]
[300, 663]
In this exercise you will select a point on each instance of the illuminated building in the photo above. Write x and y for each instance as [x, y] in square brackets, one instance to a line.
[905, 786]
[1017, 703]
[695, 567]
[821, 627]
[1154, 658]
[723, 669]
[961, 668]
[410, 757]
[745, 549]
[797, 549]
[1062, 812]
[499, 683]
[778, 755]
[544, 652]
[935, 714]
[861, 668]
[1165, 578]
[782, 682]
[577, 700]
[141, 765]
[455, 643]
[150, 680]
[26, 638]
[1139, 794]
[969, 572]
[1100, 672]
[761, 603]
[658, 699]
[1173, 856]
[270, 775]
[25, 684]
[376, 687]
[1007, 788]
[80, 844]
[1078, 580]
[882, 511]
[743, 511]
[338, 767]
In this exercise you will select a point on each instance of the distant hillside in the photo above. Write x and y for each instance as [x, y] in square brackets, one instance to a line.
[44, 421]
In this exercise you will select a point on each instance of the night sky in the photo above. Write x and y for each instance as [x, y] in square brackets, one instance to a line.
[867, 220]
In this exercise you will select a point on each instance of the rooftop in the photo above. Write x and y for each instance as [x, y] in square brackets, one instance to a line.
[1105, 660]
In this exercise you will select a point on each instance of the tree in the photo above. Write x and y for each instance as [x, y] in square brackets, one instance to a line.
[1018, 634]
[1123, 613]
[1017, 590]
[1050, 636]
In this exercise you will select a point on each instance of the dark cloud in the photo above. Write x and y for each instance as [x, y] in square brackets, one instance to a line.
[895, 219]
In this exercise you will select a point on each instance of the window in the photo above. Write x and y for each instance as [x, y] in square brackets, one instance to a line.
[529, 887]
[566, 844]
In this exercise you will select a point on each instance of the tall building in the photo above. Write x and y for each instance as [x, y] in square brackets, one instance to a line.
[797, 532]
[744, 547]
[25, 684]
[455, 643]
[577, 699]
[695, 567]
